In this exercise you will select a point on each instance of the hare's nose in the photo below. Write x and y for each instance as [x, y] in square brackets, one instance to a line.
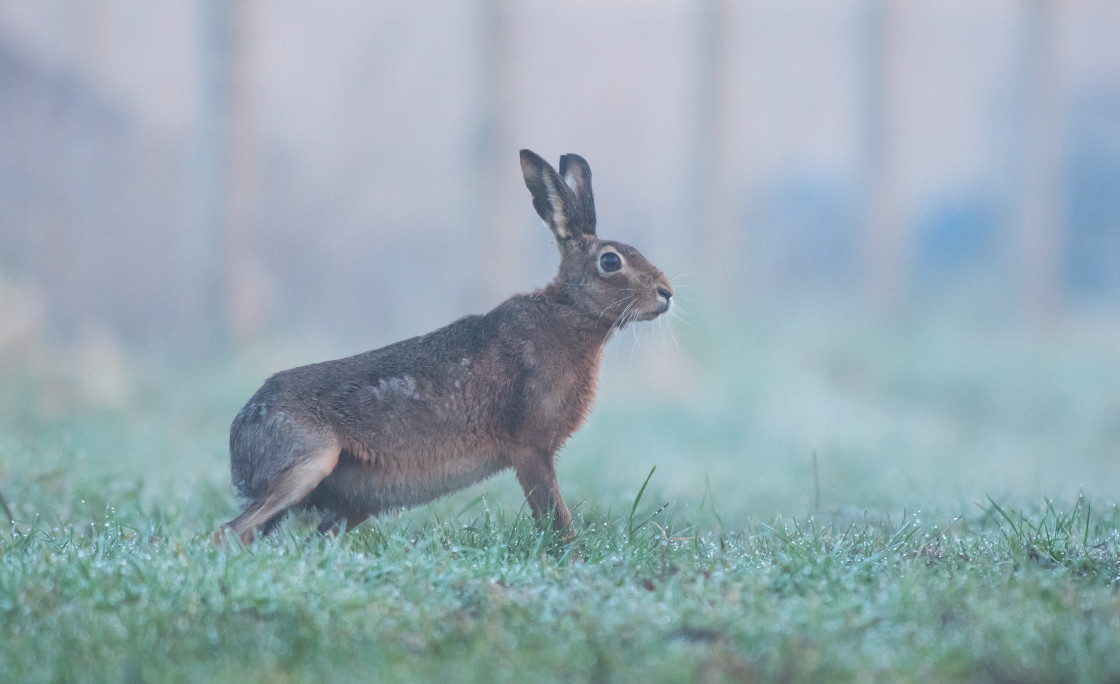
[666, 295]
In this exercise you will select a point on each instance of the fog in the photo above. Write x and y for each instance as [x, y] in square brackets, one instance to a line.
[894, 226]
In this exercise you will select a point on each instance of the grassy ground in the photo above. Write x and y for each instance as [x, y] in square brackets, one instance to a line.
[923, 546]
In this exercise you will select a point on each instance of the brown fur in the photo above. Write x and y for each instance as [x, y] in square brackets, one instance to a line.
[404, 424]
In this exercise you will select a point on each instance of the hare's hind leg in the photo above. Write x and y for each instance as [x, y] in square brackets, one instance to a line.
[287, 488]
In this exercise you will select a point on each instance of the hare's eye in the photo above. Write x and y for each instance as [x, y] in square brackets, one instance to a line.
[610, 262]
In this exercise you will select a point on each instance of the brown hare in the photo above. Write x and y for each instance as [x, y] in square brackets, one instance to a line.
[404, 424]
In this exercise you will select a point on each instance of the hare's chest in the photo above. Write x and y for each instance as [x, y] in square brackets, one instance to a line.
[558, 398]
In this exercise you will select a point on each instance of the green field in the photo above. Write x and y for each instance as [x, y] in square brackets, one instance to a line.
[834, 500]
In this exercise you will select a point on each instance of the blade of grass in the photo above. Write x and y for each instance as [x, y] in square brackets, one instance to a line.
[1085, 538]
[650, 517]
[637, 500]
[1005, 516]
[7, 511]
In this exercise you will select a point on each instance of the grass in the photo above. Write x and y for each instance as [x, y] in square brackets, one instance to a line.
[722, 563]
[997, 595]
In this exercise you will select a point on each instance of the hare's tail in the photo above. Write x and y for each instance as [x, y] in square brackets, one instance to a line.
[276, 464]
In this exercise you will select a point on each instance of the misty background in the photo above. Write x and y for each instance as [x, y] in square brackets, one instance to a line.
[894, 226]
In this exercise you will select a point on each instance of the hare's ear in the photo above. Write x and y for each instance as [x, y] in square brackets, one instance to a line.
[577, 175]
[552, 198]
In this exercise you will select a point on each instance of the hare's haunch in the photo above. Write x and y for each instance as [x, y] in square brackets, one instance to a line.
[404, 424]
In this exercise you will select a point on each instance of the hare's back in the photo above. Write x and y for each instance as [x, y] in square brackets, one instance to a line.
[444, 382]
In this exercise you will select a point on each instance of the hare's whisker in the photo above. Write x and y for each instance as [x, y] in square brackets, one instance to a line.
[609, 306]
[680, 318]
[668, 325]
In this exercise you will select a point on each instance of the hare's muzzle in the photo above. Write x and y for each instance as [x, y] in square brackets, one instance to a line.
[664, 298]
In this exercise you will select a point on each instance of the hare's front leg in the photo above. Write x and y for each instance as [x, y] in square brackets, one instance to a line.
[536, 471]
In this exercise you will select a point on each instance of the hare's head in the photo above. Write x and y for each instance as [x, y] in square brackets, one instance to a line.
[607, 280]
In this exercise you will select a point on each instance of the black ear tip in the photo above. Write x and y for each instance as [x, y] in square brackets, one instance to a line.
[574, 160]
[532, 163]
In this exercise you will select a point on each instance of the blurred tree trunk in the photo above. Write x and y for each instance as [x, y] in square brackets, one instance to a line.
[215, 239]
[1039, 243]
[722, 237]
[885, 244]
[496, 154]
[244, 306]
